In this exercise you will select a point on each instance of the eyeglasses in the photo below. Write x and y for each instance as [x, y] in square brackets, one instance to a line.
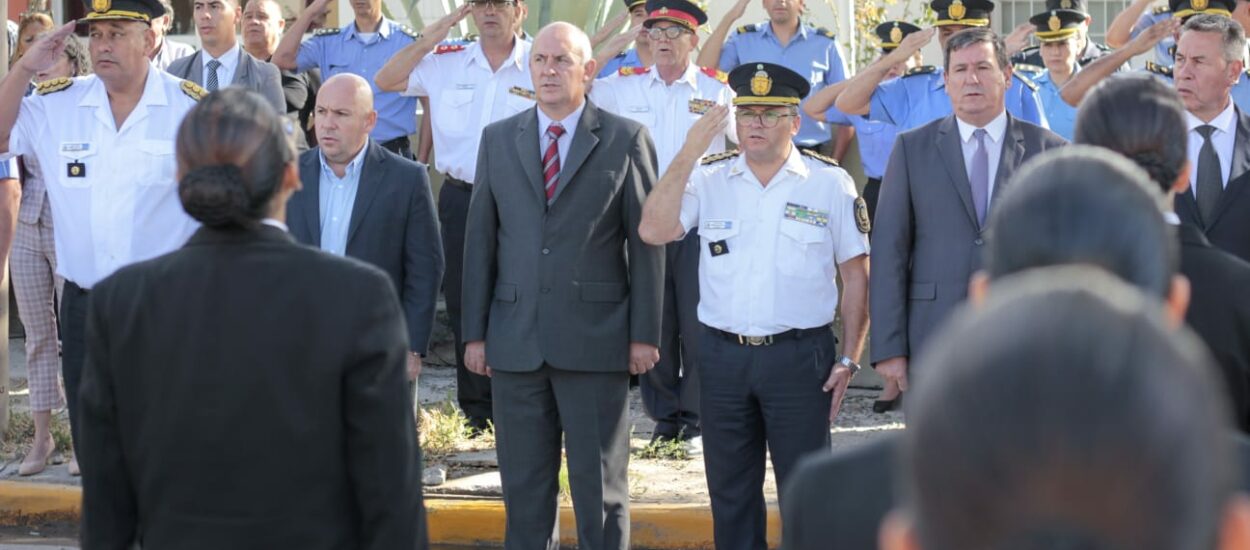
[672, 33]
[497, 4]
[767, 119]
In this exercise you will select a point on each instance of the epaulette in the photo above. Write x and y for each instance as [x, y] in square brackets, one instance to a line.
[923, 69]
[1160, 10]
[408, 31]
[1158, 69]
[631, 71]
[327, 31]
[819, 157]
[1026, 81]
[55, 85]
[712, 159]
[1028, 68]
[470, 38]
[826, 33]
[719, 75]
[448, 48]
[193, 90]
[748, 28]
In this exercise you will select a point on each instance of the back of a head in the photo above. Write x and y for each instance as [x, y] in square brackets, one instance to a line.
[1140, 117]
[1083, 205]
[232, 150]
[1080, 421]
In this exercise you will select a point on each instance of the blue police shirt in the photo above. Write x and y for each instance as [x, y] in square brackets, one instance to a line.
[812, 52]
[1163, 50]
[876, 140]
[343, 50]
[1060, 115]
[918, 98]
[628, 58]
[8, 169]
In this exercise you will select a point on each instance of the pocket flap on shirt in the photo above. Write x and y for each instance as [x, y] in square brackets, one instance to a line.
[923, 291]
[603, 292]
[157, 146]
[505, 292]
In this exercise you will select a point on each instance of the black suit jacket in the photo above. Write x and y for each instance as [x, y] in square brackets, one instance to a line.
[1229, 227]
[1219, 311]
[245, 392]
[394, 226]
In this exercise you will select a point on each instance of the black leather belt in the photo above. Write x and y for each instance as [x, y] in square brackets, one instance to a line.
[396, 145]
[458, 184]
[792, 334]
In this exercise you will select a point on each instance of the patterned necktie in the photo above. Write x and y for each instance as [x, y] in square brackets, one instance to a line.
[551, 159]
[1210, 184]
[210, 80]
[980, 176]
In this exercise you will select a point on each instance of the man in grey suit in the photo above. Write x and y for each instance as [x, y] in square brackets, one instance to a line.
[562, 300]
[222, 62]
[929, 223]
[362, 201]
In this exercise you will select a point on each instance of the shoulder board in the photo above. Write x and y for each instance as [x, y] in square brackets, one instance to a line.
[748, 28]
[819, 157]
[923, 69]
[327, 31]
[1028, 82]
[1160, 10]
[1028, 68]
[1158, 69]
[55, 85]
[712, 159]
[448, 48]
[631, 71]
[470, 38]
[193, 90]
[720, 75]
[408, 31]
[1103, 48]
[826, 33]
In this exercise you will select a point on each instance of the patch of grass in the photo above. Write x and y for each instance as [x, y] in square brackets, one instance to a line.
[443, 429]
[21, 432]
[565, 492]
[664, 449]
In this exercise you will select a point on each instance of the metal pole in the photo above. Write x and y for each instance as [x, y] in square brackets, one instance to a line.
[4, 279]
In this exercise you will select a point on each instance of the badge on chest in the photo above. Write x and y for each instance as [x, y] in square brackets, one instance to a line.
[809, 216]
[718, 248]
[76, 170]
[701, 106]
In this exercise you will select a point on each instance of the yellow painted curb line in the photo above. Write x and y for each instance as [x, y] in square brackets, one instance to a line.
[451, 520]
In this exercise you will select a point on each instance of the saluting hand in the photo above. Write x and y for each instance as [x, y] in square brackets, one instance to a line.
[1018, 39]
[48, 50]
[1152, 36]
[440, 29]
[738, 10]
[318, 8]
[913, 42]
[709, 127]
[642, 357]
[618, 43]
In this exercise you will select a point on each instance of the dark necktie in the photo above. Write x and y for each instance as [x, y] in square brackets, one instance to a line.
[551, 159]
[980, 176]
[210, 80]
[1210, 182]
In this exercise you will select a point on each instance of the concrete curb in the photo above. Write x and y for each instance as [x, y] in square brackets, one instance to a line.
[452, 520]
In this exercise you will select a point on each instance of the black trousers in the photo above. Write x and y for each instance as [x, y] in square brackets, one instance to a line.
[670, 391]
[400, 146]
[472, 390]
[872, 191]
[73, 348]
[759, 400]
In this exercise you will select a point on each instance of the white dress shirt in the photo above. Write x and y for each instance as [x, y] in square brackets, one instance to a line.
[1222, 139]
[465, 96]
[993, 145]
[566, 141]
[784, 240]
[124, 207]
[665, 109]
[229, 65]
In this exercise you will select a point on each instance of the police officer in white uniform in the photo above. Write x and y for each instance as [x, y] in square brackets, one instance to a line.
[469, 86]
[106, 146]
[776, 227]
[668, 98]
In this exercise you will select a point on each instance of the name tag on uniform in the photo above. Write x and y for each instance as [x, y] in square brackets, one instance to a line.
[75, 147]
[809, 216]
[700, 106]
[718, 224]
[638, 109]
[527, 94]
[466, 86]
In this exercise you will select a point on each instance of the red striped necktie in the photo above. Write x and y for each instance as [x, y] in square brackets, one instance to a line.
[551, 159]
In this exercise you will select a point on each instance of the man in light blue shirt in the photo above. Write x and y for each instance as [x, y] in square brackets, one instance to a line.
[337, 198]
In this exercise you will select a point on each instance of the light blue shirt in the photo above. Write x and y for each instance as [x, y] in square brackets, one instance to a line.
[628, 58]
[337, 199]
[8, 168]
[346, 52]
[809, 53]
[914, 100]
[229, 64]
[1163, 50]
[1060, 115]
[876, 140]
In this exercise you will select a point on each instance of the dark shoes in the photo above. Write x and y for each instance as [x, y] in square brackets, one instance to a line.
[881, 407]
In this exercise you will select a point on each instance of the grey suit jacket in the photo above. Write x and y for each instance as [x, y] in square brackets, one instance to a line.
[569, 284]
[926, 242]
[259, 76]
[393, 226]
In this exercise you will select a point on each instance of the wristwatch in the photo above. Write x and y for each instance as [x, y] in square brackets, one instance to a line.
[848, 363]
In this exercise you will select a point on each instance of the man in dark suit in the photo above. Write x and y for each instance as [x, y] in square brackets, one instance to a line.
[262, 28]
[1219, 133]
[929, 231]
[363, 201]
[222, 62]
[562, 299]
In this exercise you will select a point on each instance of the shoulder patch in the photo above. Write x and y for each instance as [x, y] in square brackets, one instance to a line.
[923, 69]
[1158, 69]
[408, 31]
[862, 221]
[55, 85]
[1028, 68]
[448, 48]
[631, 71]
[723, 76]
[1028, 83]
[193, 90]
[826, 33]
[327, 31]
[713, 159]
[819, 157]
[1160, 10]
[748, 28]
